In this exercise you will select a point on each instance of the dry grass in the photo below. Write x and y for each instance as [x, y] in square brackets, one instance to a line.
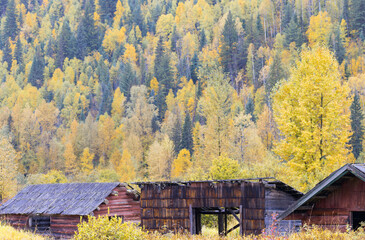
[10, 233]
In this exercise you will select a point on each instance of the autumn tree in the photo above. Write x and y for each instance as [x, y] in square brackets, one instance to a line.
[357, 119]
[86, 161]
[312, 113]
[8, 168]
[181, 164]
[224, 168]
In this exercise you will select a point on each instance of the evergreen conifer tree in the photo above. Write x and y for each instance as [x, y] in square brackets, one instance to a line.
[229, 47]
[128, 78]
[187, 134]
[7, 53]
[36, 71]
[64, 44]
[11, 26]
[176, 134]
[357, 118]
[358, 16]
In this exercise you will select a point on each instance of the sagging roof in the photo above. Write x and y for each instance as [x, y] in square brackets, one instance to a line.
[326, 186]
[268, 181]
[53, 199]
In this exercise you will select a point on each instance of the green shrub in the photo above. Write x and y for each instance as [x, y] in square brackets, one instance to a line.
[100, 228]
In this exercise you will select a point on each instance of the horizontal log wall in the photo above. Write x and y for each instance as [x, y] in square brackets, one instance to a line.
[166, 207]
[334, 211]
[65, 226]
[121, 204]
[16, 221]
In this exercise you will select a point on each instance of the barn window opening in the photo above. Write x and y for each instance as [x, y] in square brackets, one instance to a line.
[117, 216]
[357, 219]
[40, 223]
[221, 220]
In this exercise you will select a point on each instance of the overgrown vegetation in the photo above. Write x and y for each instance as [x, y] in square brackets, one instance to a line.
[9, 233]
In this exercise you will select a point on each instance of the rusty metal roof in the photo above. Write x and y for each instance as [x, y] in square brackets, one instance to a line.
[54, 199]
[322, 188]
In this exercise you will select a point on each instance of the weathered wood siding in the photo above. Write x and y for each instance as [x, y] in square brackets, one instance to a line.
[334, 211]
[276, 202]
[63, 226]
[17, 221]
[121, 205]
[167, 206]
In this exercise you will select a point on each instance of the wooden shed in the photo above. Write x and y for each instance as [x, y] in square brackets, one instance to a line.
[56, 209]
[178, 206]
[336, 201]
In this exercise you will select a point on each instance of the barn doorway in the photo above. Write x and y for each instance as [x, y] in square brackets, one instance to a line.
[357, 219]
[222, 214]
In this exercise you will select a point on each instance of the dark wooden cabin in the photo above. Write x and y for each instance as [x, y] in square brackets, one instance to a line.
[335, 202]
[56, 209]
[178, 206]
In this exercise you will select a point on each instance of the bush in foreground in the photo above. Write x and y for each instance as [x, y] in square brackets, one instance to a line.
[10, 233]
[100, 228]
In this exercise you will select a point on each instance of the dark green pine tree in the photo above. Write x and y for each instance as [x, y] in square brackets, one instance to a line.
[18, 54]
[194, 68]
[357, 118]
[174, 39]
[250, 108]
[11, 26]
[87, 34]
[187, 134]
[176, 135]
[3, 5]
[358, 16]
[202, 40]
[345, 12]
[163, 74]
[127, 79]
[106, 88]
[276, 73]
[64, 45]
[229, 47]
[36, 71]
[7, 57]
[107, 9]
[292, 33]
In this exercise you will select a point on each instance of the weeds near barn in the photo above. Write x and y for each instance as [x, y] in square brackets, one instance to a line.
[10, 233]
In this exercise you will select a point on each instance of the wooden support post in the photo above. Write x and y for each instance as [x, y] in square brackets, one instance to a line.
[220, 224]
[192, 220]
[225, 222]
[241, 223]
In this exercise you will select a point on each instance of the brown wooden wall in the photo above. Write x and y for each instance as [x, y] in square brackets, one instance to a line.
[121, 205]
[167, 206]
[334, 211]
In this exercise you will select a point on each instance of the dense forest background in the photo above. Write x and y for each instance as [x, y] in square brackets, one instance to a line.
[123, 90]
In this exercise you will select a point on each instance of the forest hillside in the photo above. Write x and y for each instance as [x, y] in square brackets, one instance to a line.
[125, 90]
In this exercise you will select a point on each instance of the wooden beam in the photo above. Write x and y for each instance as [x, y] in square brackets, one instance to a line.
[233, 228]
[115, 193]
[241, 216]
[106, 201]
[234, 215]
[220, 224]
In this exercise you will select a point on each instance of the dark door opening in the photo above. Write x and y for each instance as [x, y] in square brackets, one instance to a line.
[40, 223]
[357, 218]
[222, 213]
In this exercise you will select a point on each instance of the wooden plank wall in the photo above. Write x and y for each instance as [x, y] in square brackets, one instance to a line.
[63, 226]
[334, 211]
[167, 207]
[16, 221]
[276, 202]
[121, 205]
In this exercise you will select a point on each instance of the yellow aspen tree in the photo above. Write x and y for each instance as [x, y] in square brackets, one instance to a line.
[313, 116]
[70, 159]
[126, 168]
[224, 168]
[118, 14]
[8, 169]
[181, 164]
[320, 28]
[86, 161]
[130, 54]
[118, 106]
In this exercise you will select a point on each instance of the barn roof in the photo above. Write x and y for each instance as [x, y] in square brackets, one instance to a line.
[325, 187]
[54, 199]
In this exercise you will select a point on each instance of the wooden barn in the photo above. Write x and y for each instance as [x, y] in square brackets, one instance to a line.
[56, 209]
[336, 201]
[179, 206]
